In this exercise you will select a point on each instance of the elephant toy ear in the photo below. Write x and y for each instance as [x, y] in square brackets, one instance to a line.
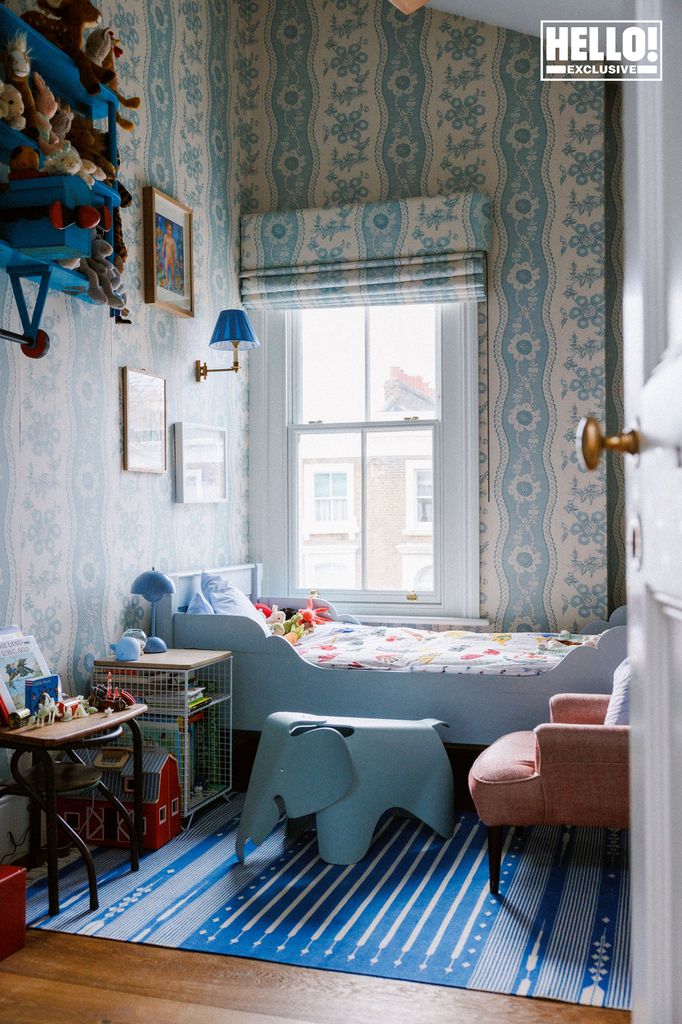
[319, 771]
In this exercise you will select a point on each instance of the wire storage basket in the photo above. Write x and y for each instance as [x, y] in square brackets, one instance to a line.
[189, 697]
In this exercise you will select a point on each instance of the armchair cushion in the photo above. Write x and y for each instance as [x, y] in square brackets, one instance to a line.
[578, 708]
[618, 712]
[504, 784]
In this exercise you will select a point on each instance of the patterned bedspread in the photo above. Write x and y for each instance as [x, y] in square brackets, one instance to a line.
[351, 646]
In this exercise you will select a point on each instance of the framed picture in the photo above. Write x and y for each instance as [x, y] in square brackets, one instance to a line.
[168, 270]
[144, 421]
[200, 463]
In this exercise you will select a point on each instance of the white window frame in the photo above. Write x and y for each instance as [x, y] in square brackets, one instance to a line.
[272, 477]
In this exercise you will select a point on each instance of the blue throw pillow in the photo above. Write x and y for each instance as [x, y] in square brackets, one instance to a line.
[226, 599]
[618, 711]
[199, 605]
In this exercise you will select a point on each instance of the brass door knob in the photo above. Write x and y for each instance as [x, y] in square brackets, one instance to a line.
[590, 442]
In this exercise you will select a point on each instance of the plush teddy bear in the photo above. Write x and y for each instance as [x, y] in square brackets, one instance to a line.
[61, 123]
[46, 106]
[63, 161]
[109, 280]
[12, 107]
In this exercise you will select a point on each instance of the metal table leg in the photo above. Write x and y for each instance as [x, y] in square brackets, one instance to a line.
[138, 784]
[35, 849]
[51, 831]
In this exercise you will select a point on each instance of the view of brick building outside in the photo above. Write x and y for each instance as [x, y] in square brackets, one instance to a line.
[399, 500]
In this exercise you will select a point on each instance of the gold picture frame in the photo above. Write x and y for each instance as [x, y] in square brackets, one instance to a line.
[144, 421]
[168, 255]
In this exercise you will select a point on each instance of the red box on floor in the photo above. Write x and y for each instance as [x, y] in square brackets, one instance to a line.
[12, 910]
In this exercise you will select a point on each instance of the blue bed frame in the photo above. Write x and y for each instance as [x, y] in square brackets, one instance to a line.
[269, 674]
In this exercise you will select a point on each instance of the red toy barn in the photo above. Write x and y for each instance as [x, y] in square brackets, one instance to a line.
[97, 822]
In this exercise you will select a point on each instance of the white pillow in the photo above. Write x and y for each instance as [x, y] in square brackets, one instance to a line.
[226, 599]
[618, 711]
[199, 605]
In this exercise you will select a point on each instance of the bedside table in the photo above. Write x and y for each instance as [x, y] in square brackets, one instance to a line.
[188, 694]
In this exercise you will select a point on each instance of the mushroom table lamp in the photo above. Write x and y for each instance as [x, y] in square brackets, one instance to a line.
[152, 586]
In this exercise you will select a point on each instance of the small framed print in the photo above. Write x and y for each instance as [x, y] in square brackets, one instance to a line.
[200, 463]
[144, 421]
[168, 269]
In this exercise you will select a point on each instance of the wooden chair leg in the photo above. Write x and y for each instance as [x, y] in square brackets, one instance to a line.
[494, 856]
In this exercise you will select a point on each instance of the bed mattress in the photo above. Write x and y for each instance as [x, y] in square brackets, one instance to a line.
[403, 649]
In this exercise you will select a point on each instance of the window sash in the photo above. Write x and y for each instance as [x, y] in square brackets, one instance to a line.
[270, 392]
[298, 523]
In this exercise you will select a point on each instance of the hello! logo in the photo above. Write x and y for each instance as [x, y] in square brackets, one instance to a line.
[601, 51]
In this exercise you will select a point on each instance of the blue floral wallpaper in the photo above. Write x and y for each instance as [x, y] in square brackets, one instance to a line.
[351, 101]
[77, 529]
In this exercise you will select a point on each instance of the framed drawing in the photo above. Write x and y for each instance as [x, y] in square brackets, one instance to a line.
[168, 270]
[200, 463]
[144, 421]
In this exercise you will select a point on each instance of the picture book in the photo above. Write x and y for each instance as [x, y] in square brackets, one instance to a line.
[20, 659]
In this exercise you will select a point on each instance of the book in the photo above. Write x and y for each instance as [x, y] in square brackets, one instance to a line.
[20, 659]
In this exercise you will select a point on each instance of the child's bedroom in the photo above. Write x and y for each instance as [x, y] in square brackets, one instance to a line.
[341, 567]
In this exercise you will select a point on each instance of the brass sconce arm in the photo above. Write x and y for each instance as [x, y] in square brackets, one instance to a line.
[201, 370]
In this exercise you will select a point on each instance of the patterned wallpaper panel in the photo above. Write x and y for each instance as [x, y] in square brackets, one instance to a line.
[77, 529]
[348, 100]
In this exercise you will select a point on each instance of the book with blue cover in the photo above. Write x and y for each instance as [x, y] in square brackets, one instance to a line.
[20, 659]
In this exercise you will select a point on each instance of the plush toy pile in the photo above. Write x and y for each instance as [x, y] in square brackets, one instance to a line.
[68, 143]
[296, 623]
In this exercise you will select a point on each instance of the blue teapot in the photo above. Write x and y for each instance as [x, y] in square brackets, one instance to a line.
[128, 648]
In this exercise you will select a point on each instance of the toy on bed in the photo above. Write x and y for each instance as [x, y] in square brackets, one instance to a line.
[483, 685]
[64, 24]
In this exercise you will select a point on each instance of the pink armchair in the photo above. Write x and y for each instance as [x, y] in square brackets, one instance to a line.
[572, 771]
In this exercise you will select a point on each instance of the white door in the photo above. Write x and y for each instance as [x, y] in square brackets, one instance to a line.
[653, 398]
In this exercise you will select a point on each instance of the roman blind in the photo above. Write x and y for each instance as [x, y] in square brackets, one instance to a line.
[427, 249]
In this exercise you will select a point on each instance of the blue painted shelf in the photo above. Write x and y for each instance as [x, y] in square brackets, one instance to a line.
[10, 138]
[61, 74]
[62, 280]
[58, 70]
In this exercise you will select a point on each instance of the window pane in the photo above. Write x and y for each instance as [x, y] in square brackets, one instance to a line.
[402, 362]
[329, 511]
[332, 365]
[399, 528]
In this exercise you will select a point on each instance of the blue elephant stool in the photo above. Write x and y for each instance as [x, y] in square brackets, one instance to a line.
[346, 772]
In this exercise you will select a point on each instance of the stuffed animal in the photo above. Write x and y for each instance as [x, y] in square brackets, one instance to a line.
[46, 106]
[63, 161]
[315, 616]
[103, 277]
[23, 163]
[102, 47]
[64, 24]
[294, 628]
[91, 144]
[17, 61]
[12, 107]
[61, 123]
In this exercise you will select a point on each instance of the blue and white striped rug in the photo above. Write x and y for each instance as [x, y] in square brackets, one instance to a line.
[416, 908]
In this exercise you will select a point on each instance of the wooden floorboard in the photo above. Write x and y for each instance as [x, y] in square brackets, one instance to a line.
[70, 979]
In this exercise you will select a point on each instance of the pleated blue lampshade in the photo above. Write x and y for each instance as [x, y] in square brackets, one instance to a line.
[233, 325]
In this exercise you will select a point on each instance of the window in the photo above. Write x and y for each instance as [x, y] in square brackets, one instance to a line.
[367, 457]
[331, 497]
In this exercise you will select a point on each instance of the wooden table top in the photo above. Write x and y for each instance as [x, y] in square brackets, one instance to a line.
[67, 733]
[181, 659]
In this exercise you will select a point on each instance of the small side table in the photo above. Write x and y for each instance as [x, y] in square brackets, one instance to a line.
[67, 736]
[188, 694]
